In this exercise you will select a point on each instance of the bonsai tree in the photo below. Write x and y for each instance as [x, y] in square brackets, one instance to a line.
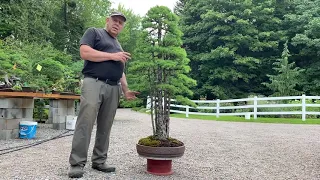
[161, 68]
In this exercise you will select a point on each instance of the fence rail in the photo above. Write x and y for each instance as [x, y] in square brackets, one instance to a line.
[255, 106]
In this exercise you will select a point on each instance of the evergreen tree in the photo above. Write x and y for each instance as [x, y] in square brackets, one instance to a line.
[231, 45]
[161, 65]
[287, 78]
[303, 26]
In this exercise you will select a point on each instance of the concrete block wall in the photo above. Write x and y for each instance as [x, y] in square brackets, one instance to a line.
[12, 112]
[59, 109]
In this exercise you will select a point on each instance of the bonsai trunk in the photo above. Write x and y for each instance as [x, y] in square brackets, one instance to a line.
[161, 109]
[162, 99]
[162, 118]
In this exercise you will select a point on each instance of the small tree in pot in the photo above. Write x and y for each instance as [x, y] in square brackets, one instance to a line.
[161, 68]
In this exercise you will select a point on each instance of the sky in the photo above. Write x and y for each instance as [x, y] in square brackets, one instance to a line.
[141, 7]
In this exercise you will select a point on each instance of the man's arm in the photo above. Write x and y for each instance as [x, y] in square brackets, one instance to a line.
[124, 83]
[90, 54]
[129, 95]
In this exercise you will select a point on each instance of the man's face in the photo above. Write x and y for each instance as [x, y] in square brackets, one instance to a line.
[115, 25]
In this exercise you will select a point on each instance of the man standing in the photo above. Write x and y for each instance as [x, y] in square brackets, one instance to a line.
[100, 93]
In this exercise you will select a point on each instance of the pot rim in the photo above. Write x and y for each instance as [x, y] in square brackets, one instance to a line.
[162, 146]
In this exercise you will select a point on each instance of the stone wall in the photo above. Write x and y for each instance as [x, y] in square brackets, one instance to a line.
[12, 111]
[59, 109]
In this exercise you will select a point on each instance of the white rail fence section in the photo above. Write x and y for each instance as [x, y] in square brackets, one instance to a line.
[247, 107]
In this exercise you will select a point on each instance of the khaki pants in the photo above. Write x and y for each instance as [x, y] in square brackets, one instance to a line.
[99, 101]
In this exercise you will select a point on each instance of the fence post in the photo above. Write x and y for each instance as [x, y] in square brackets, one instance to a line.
[303, 107]
[218, 108]
[255, 107]
[148, 106]
[187, 111]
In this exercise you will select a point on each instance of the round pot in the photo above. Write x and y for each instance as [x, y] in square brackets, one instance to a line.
[159, 159]
[160, 152]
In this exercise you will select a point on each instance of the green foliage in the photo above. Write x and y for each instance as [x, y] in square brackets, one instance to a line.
[68, 27]
[93, 12]
[161, 66]
[39, 112]
[284, 83]
[50, 68]
[149, 141]
[228, 47]
[304, 30]
[20, 59]
[10, 57]
[154, 141]
[17, 87]
[27, 20]
[231, 45]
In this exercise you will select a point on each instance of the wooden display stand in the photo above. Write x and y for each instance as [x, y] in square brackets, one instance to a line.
[18, 106]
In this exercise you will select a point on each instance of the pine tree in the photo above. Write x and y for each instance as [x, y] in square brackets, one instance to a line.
[161, 66]
[285, 81]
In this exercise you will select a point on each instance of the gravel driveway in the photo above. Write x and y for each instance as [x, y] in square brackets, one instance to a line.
[214, 150]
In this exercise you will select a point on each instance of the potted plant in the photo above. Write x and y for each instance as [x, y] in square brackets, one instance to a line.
[160, 67]
[17, 87]
[58, 86]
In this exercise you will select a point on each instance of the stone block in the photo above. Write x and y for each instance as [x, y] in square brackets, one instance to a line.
[2, 124]
[9, 134]
[27, 103]
[71, 111]
[59, 119]
[58, 111]
[15, 133]
[50, 120]
[12, 124]
[10, 102]
[52, 103]
[59, 126]
[27, 119]
[62, 103]
[10, 113]
[27, 113]
[71, 104]
[50, 114]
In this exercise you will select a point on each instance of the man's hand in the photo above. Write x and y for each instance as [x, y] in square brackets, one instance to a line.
[121, 56]
[131, 95]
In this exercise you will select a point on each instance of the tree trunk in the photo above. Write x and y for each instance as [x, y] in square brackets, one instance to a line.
[161, 132]
[166, 104]
[160, 120]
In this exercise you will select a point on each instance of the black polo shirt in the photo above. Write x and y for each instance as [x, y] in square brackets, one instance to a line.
[99, 39]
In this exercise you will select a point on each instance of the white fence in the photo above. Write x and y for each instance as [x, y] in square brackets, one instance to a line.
[254, 107]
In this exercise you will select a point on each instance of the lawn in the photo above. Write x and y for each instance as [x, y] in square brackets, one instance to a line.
[242, 119]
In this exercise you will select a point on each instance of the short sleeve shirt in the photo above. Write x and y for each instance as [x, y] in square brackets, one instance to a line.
[99, 39]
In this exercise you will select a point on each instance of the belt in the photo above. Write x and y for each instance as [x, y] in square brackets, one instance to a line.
[107, 81]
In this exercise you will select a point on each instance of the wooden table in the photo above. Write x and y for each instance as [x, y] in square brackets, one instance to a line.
[38, 95]
[18, 106]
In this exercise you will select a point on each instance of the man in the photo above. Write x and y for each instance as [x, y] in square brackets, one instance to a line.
[100, 93]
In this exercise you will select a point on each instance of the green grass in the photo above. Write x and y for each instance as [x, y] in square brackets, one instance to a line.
[242, 119]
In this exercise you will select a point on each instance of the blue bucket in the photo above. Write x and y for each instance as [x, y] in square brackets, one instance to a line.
[28, 129]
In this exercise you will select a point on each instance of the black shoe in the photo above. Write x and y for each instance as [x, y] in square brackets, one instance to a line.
[76, 172]
[103, 167]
